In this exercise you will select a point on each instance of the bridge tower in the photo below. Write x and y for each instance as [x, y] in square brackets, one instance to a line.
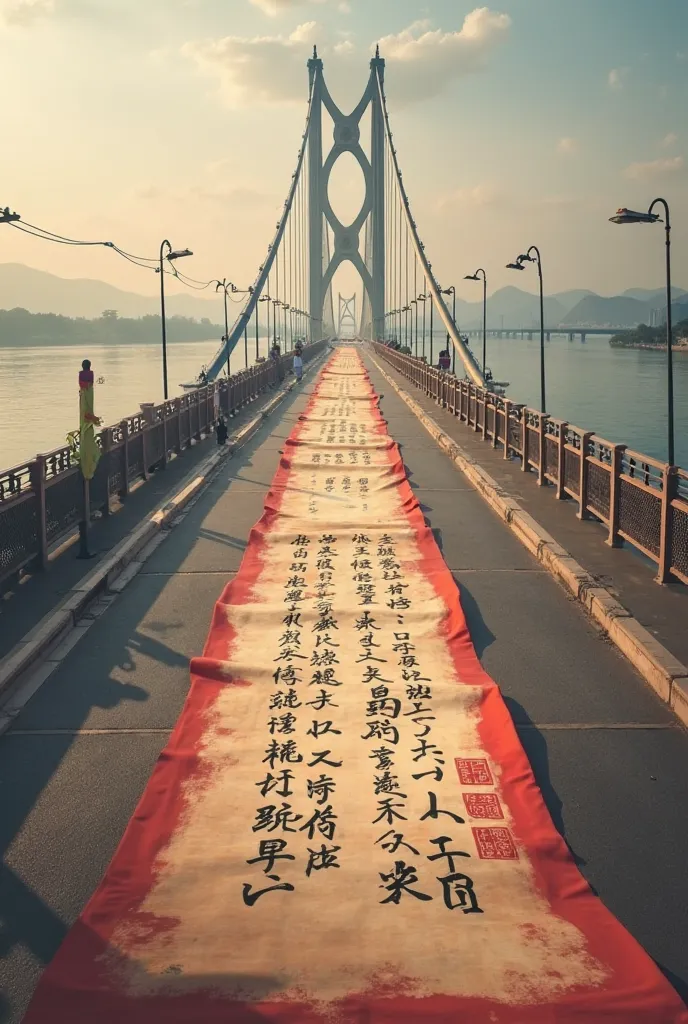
[347, 237]
[347, 316]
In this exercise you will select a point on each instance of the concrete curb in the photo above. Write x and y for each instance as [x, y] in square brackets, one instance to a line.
[54, 627]
[667, 676]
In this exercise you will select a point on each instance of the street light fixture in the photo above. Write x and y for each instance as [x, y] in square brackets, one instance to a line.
[275, 325]
[267, 298]
[423, 298]
[476, 277]
[173, 254]
[406, 310]
[226, 286]
[451, 290]
[518, 265]
[624, 216]
[414, 302]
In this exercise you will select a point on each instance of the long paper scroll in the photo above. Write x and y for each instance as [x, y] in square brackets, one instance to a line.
[344, 828]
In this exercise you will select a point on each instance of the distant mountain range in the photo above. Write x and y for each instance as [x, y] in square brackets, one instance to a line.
[579, 307]
[41, 292]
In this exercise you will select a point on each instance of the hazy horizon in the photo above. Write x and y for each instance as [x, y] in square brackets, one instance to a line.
[213, 299]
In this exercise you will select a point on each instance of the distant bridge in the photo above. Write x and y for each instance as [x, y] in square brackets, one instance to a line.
[528, 332]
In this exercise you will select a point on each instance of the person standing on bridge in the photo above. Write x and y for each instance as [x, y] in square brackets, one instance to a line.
[298, 361]
[221, 432]
[444, 361]
[276, 356]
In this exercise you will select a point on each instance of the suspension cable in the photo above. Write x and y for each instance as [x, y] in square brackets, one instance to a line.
[471, 366]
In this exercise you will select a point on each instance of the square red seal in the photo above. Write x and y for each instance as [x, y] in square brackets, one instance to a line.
[494, 844]
[483, 805]
[473, 771]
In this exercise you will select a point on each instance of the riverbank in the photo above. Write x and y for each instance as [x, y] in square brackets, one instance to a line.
[651, 348]
[21, 329]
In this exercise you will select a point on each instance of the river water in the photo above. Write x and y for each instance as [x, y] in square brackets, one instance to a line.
[619, 393]
[39, 394]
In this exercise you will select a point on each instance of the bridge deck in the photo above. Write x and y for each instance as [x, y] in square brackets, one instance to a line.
[609, 758]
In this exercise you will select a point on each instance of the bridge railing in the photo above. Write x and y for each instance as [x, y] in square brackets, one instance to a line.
[42, 501]
[637, 498]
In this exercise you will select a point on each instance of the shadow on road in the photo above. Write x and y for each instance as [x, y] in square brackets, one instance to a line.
[481, 634]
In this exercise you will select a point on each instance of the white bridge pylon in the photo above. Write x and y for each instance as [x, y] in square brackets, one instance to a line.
[346, 319]
[296, 276]
[347, 237]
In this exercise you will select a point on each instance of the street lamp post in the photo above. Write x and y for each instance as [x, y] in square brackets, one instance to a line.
[257, 333]
[268, 299]
[422, 298]
[224, 284]
[173, 254]
[414, 344]
[624, 216]
[275, 304]
[432, 308]
[475, 277]
[518, 265]
[451, 290]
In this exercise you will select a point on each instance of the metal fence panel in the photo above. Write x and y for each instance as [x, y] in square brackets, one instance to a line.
[572, 472]
[98, 490]
[136, 467]
[551, 458]
[679, 540]
[63, 503]
[640, 514]
[599, 490]
[18, 533]
[515, 432]
[155, 445]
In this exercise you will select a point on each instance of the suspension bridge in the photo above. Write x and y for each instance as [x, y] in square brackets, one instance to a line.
[374, 713]
[382, 243]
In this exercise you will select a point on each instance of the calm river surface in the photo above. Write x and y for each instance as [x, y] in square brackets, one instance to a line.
[39, 395]
[620, 394]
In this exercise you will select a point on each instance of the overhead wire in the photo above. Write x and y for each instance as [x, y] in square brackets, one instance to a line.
[145, 262]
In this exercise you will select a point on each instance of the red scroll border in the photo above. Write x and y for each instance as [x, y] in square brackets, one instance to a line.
[80, 985]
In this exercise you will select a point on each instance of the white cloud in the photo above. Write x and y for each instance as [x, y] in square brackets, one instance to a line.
[24, 12]
[567, 146]
[275, 7]
[270, 69]
[670, 140]
[655, 168]
[421, 61]
[264, 69]
[616, 78]
[344, 7]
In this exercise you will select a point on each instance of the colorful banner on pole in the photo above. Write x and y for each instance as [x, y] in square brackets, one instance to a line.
[344, 827]
[89, 452]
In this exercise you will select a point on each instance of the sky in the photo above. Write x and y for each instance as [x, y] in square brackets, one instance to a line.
[527, 122]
